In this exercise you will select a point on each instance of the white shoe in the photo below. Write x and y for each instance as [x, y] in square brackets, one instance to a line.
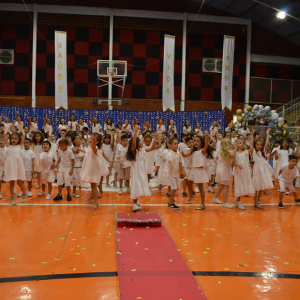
[216, 200]
[41, 193]
[0, 196]
[120, 192]
[227, 205]
[211, 190]
[236, 202]
[48, 197]
[197, 190]
[13, 202]
[240, 205]
[20, 194]
[75, 195]
[278, 190]
[287, 192]
[23, 199]
[15, 192]
[136, 207]
[128, 191]
[29, 194]
[138, 203]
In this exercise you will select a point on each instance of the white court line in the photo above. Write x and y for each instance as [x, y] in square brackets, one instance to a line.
[112, 204]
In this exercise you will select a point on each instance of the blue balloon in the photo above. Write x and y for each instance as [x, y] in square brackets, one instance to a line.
[267, 109]
[275, 122]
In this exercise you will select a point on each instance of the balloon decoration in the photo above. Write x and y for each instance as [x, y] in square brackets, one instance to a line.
[265, 113]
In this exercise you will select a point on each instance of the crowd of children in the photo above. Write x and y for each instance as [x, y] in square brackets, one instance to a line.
[77, 157]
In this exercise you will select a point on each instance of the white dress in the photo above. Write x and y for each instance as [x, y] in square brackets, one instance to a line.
[14, 165]
[262, 172]
[93, 167]
[108, 152]
[162, 177]
[139, 178]
[157, 156]
[283, 159]
[37, 149]
[212, 168]
[76, 179]
[200, 169]
[243, 185]
[224, 172]
[150, 159]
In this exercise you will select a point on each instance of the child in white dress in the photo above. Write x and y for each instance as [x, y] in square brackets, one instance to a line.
[33, 124]
[3, 154]
[148, 144]
[188, 162]
[14, 166]
[36, 146]
[242, 173]
[79, 153]
[139, 181]
[162, 176]
[201, 153]
[47, 162]
[94, 167]
[108, 146]
[262, 170]
[157, 154]
[224, 159]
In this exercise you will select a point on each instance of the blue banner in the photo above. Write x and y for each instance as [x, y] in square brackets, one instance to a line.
[205, 118]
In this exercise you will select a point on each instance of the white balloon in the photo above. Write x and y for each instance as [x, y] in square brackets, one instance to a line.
[261, 107]
[267, 109]
[274, 116]
[273, 111]
[280, 120]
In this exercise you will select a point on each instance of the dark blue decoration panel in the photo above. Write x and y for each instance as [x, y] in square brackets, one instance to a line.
[205, 118]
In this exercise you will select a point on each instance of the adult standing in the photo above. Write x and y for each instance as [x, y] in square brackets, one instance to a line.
[214, 128]
[243, 130]
[62, 125]
[187, 128]
[6, 122]
[171, 126]
[160, 127]
[108, 125]
[81, 124]
[47, 125]
[72, 124]
[96, 127]
[127, 127]
[32, 124]
[146, 126]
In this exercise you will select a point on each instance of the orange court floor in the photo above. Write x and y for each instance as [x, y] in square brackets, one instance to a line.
[49, 250]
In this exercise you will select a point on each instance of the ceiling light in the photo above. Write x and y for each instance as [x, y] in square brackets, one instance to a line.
[281, 15]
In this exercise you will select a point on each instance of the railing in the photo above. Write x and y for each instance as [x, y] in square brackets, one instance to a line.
[293, 131]
[290, 111]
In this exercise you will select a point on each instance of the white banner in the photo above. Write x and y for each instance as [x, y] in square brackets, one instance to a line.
[168, 74]
[61, 82]
[227, 71]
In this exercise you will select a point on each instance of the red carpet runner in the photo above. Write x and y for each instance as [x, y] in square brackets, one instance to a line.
[151, 268]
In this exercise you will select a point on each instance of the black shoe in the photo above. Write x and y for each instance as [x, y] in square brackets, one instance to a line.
[181, 176]
[63, 186]
[167, 195]
[194, 193]
[173, 206]
[212, 185]
[155, 173]
[125, 183]
[184, 195]
[58, 197]
[69, 198]
[55, 180]
[280, 205]
[297, 201]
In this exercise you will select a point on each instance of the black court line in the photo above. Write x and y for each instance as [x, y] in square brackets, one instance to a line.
[115, 274]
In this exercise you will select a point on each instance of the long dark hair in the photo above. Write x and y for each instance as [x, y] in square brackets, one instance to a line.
[262, 149]
[99, 139]
[33, 141]
[210, 149]
[186, 125]
[71, 118]
[110, 121]
[130, 155]
[288, 147]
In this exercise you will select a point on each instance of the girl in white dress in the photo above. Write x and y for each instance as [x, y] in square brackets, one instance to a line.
[187, 128]
[197, 128]
[47, 125]
[36, 146]
[72, 124]
[262, 170]
[79, 153]
[224, 159]
[14, 167]
[157, 154]
[96, 127]
[162, 176]
[94, 167]
[108, 146]
[138, 172]
[81, 124]
[160, 128]
[242, 173]
[201, 152]
[33, 124]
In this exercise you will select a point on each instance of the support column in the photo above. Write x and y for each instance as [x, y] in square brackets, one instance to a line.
[248, 59]
[33, 79]
[111, 42]
[183, 68]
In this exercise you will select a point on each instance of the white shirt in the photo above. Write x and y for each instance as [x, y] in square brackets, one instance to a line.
[121, 152]
[174, 128]
[189, 129]
[161, 130]
[48, 128]
[288, 175]
[198, 131]
[243, 132]
[108, 127]
[27, 156]
[3, 155]
[6, 125]
[233, 141]
[54, 147]
[33, 127]
[66, 158]
[48, 158]
[213, 130]
[96, 128]
[188, 163]
[60, 126]
[173, 161]
[73, 124]
[81, 126]
[127, 129]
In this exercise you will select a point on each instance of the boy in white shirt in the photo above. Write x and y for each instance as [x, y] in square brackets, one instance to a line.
[233, 137]
[174, 162]
[63, 133]
[2, 160]
[70, 138]
[124, 170]
[86, 134]
[287, 175]
[28, 159]
[65, 167]
[47, 162]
